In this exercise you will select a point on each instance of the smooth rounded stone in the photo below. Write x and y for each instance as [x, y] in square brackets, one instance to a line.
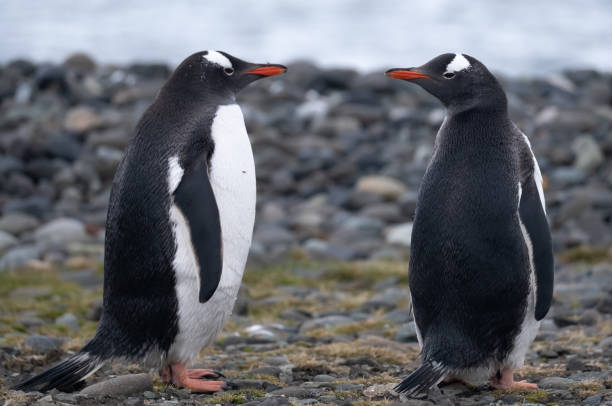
[400, 234]
[44, 344]
[37, 206]
[575, 364]
[386, 254]
[253, 384]
[69, 320]
[380, 390]
[567, 176]
[325, 322]
[292, 392]
[296, 315]
[357, 200]
[17, 223]
[386, 300]
[7, 241]
[321, 249]
[9, 164]
[277, 360]
[604, 305]
[64, 147]
[399, 316]
[588, 154]
[271, 234]
[323, 378]
[266, 370]
[365, 226]
[383, 186]
[349, 387]
[407, 333]
[81, 119]
[555, 382]
[61, 231]
[19, 256]
[606, 343]
[592, 400]
[310, 401]
[133, 401]
[387, 212]
[124, 385]
[269, 401]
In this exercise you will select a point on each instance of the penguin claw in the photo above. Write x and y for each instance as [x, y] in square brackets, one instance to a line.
[203, 373]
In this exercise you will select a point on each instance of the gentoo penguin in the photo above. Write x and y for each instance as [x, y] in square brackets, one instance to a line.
[481, 261]
[179, 227]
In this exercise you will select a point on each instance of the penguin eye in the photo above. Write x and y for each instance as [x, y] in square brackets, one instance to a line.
[448, 75]
[228, 71]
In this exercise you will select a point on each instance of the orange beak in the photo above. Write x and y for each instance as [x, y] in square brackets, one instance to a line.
[405, 74]
[269, 70]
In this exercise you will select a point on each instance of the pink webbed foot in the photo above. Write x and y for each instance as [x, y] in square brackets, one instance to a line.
[506, 381]
[184, 378]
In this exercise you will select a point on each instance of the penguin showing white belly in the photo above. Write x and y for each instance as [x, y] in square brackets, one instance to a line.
[481, 262]
[179, 228]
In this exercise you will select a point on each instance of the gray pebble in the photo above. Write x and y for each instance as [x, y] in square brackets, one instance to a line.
[44, 344]
[124, 385]
[555, 382]
[407, 333]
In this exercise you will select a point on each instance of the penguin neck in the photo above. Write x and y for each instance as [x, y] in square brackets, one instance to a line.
[481, 125]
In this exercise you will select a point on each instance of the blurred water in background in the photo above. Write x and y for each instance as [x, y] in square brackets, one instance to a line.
[522, 37]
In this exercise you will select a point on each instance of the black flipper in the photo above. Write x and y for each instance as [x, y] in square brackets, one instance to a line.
[195, 198]
[534, 219]
[422, 379]
[67, 376]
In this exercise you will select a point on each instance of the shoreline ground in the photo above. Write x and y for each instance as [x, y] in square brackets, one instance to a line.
[323, 315]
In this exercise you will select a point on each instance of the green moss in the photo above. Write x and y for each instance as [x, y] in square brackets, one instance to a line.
[586, 254]
[531, 396]
[587, 388]
[357, 327]
[235, 397]
[536, 396]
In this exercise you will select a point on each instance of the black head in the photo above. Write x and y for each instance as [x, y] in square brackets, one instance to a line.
[459, 81]
[216, 76]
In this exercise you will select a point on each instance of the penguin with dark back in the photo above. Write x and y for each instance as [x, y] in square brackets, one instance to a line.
[179, 228]
[481, 261]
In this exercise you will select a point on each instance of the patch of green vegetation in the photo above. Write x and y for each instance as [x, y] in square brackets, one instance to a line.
[587, 388]
[268, 378]
[532, 396]
[589, 255]
[45, 295]
[345, 395]
[357, 327]
[235, 397]
[536, 396]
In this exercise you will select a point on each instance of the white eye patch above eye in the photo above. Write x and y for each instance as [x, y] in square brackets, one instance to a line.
[218, 58]
[458, 63]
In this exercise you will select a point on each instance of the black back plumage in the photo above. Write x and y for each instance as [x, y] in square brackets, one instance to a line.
[470, 264]
[467, 245]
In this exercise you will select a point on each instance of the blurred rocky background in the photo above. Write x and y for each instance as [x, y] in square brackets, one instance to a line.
[322, 317]
[339, 156]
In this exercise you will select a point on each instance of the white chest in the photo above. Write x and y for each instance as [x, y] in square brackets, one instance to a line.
[232, 177]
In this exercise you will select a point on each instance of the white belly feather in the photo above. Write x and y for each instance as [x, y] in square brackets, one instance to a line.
[232, 177]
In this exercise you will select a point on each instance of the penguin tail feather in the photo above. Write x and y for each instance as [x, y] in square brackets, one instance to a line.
[67, 376]
[423, 378]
